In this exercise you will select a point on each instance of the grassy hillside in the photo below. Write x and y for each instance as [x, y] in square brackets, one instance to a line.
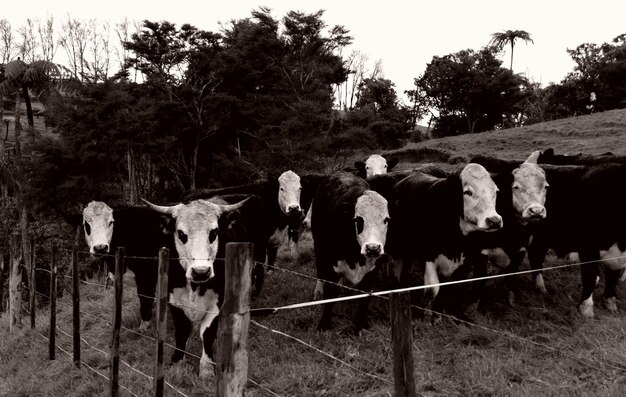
[539, 347]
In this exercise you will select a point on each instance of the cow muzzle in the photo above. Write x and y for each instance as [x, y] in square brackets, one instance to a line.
[494, 222]
[201, 274]
[100, 249]
[535, 212]
[373, 250]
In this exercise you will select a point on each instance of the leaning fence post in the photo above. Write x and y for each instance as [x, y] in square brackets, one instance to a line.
[161, 321]
[32, 284]
[53, 305]
[117, 323]
[402, 339]
[232, 343]
[15, 297]
[76, 308]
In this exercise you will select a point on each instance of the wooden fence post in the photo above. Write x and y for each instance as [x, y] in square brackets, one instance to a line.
[76, 308]
[117, 323]
[161, 321]
[402, 339]
[15, 296]
[31, 283]
[232, 343]
[53, 305]
[1, 282]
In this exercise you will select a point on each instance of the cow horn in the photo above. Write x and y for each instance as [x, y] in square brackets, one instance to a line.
[231, 207]
[534, 156]
[163, 209]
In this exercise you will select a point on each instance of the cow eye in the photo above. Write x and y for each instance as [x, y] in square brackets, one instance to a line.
[386, 220]
[111, 223]
[468, 193]
[282, 189]
[516, 187]
[182, 236]
[359, 222]
[87, 228]
[213, 235]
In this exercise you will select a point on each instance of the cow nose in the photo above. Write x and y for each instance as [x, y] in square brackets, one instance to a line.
[101, 248]
[537, 210]
[201, 273]
[293, 209]
[494, 222]
[372, 250]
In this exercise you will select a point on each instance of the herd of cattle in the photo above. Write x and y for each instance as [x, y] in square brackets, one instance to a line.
[445, 224]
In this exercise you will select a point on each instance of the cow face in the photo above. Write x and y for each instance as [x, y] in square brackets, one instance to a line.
[529, 192]
[289, 189]
[479, 200]
[371, 218]
[196, 235]
[98, 227]
[375, 165]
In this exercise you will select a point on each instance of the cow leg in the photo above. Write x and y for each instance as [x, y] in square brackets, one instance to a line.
[182, 329]
[361, 321]
[589, 273]
[511, 283]
[208, 334]
[331, 290]
[271, 257]
[146, 290]
[611, 278]
[258, 279]
[536, 256]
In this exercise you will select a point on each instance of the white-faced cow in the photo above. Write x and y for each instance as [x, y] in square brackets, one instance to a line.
[196, 284]
[375, 165]
[349, 229]
[279, 214]
[433, 219]
[141, 232]
[586, 214]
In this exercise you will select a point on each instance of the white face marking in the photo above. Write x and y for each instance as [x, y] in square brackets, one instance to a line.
[354, 276]
[613, 258]
[479, 200]
[289, 192]
[375, 165]
[98, 226]
[529, 192]
[371, 218]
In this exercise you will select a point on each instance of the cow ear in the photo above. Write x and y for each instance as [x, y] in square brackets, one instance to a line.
[360, 166]
[392, 162]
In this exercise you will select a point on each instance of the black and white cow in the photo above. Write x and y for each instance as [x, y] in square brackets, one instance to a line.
[433, 219]
[196, 282]
[141, 232]
[586, 214]
[349, 227]
[375, 165]
[280, 213]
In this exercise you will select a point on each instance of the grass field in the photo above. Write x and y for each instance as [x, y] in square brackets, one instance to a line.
[541, 346]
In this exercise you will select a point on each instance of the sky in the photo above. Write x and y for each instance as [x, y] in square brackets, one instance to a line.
[405, 35]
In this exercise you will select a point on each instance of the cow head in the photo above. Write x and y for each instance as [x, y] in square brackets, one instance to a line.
[98, 226]
[289, 189]
[375, 165]
[479, 200]
[371, 218]
[529, 190]
[196, 235]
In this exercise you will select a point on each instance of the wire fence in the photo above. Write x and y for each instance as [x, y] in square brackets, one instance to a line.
[359, 295]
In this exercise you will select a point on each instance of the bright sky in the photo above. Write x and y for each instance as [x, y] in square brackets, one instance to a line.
[405, 35]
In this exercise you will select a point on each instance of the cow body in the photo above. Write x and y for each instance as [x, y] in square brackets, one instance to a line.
[349, 225]
[141, 232]
[586, 214]
[196, 283]
[435, 219]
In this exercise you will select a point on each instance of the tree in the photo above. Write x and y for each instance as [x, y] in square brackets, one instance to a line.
[472, 88]
[500, 39]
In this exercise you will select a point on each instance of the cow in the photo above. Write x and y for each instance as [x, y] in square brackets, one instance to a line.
[374, 165]
[349, 227]
[549, 157]
[280, 215]
[196, 282]
[433, 220]
[586, 214]
[521, 203]
[141, 232]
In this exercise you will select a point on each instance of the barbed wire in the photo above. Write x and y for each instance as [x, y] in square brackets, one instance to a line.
[320, 351]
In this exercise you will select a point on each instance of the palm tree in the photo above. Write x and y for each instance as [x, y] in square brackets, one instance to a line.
[500, 39]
